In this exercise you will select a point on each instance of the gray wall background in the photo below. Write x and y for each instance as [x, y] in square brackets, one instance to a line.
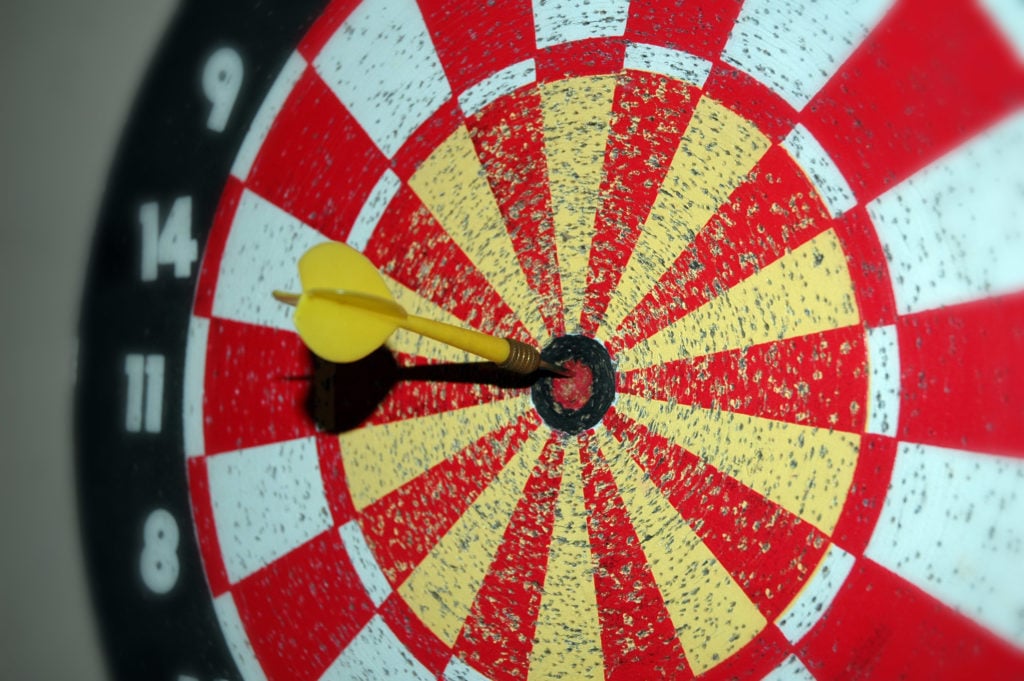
[68, 72]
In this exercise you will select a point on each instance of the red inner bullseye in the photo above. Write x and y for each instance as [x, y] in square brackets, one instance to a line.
[573, 392]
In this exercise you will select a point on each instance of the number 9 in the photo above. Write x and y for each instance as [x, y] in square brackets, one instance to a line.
[222, 79]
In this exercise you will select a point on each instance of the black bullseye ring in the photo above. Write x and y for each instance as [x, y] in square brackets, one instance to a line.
[586, 353]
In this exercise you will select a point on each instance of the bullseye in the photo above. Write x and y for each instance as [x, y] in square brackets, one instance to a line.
[574, 391]
[578, 402]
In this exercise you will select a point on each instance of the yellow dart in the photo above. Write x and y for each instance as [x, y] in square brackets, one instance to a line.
[345, 312]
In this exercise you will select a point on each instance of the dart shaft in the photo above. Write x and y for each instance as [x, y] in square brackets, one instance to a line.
[507, 353]
[489, 347]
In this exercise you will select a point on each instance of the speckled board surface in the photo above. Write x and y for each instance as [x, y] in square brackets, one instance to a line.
[796, 230]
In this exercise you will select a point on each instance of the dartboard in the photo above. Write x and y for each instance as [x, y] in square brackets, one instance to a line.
[778, 246]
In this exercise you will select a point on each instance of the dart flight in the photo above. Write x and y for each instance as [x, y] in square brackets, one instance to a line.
[345, 312]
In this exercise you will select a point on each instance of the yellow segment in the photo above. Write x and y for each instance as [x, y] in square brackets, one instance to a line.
[805, 292]
[567, 641]
[442, 589]
[453, 186]
[717, 151]
[381, 458]
[577, 114]
[414, 344]
[805, 470]
[712, 615]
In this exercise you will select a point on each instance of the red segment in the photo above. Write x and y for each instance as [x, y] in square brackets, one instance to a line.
[401, 529]
[772, 212]
[509, 140]
[325, 26]
[962, 369]
[925, 80]
[589, 57]
[882, 627]
[816, 380]
[332, 471]
[754, 661]
[301, 611]
[206, 527]
[414, 635]
[433, 265]
[700, 27]
[257, 382]
[317, 162]
[868, 267]
[752, 100]
[650, 115]
[867, 493]
[213, 252]
[638, 637]
[477, 39]
[768, 551]
[498, 635]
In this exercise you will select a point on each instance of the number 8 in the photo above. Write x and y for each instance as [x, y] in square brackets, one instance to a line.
[158, 563]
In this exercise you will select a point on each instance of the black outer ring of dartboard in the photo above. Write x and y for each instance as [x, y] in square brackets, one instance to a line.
[166, 152]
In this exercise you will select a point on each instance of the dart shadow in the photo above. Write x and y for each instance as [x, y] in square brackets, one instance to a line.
[343, 396]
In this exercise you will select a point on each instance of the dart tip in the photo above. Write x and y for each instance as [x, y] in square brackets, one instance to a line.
[556, 369]
[287, 298]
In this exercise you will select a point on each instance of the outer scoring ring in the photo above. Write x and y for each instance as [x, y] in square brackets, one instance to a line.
[803, 146]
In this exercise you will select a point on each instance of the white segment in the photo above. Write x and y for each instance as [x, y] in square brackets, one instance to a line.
[376, 653]
[883, 380]
[372, 211]
[668, 62]
[817, 595]
[382, 65]
[195, 380]
[811, 156]
[1008, 15]
[954, 232]
[953, 524]
[566, 21]
[795, 46]
[267, 114]
[366, 566]
[499, 84]
[261, 254]
[791, 669]
[457, 670]
[267, 501]
[236, 638]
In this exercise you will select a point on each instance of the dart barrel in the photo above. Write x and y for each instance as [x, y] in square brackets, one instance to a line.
[523, 358]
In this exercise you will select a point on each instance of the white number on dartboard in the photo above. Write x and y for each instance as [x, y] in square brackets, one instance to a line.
[171, 244]
[158, 562]
[222, 79]
[144, 407]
